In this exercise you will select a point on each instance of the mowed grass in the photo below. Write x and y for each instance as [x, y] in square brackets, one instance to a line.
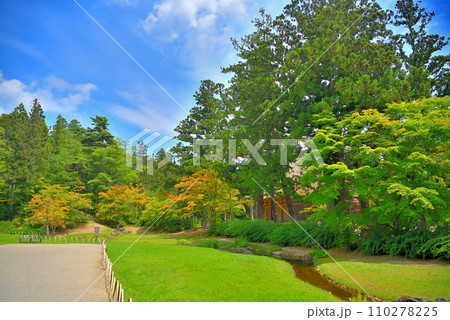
[9, 238]
[160, 271]
[391, 281]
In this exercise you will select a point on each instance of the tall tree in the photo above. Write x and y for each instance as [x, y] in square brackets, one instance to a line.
[397, 161]
[4, 155]
[108, 167]
[26, 136]
[418, 49]
[205, 196]
[77, 129]
[341, 60]
[99, 135]
[68, 162]
[206, 119]
[59, 133]
[55, 206]
[256, 87]
[122, 204]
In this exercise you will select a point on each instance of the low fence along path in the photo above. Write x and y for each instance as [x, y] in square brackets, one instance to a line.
[51, 272]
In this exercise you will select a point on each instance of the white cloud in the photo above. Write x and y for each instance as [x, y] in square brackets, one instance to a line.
[145, 118]
[139, 108]
[198, 14]
[54, 94]
[198, 30]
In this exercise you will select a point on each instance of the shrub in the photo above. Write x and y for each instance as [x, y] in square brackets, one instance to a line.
[252, 230]
[5, 227]
[8, 227]
[317, 254]
[17, 222]
[437, 247]
[183, 241]
[241, 242]
[208, 244]
[414, 244]
[174, 225]
[287, 234]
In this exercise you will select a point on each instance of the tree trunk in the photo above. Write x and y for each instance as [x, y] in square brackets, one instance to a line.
[363, 204]
[47, 231]
[274, 213]
[11, 203]
[341, 197]
[290, 207]
[332, 205]
[259, 207]
[251, 213]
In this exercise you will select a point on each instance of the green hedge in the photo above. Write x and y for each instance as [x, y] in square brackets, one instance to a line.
[414, 244]
[173, 225]
[280, 234]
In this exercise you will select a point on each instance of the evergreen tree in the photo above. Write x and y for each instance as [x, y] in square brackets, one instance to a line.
[58, 134]
[68, 162]
[26, 136]
[99, 135]
[418, 50]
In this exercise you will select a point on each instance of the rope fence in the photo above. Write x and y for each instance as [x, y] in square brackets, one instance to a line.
[114, 287]
[54, 238]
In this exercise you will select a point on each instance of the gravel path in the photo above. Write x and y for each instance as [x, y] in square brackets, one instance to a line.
[51, 272]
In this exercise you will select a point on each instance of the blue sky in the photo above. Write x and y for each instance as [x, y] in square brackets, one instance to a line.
[53, 51]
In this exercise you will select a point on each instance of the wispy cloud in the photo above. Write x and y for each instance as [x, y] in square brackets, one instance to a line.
[144, 117]
[55, 94]
[140, 108]
[122, 3]
[23, 47]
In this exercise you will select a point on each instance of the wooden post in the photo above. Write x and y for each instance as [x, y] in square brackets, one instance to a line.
[116, 292]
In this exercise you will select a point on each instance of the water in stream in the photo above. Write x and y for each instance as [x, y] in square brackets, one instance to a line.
[310, 275]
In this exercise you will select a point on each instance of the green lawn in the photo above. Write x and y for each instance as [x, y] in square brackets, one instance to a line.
[160, 270]
[9, 238]
[391, 281]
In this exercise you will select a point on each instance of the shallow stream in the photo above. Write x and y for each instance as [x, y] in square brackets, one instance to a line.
[310, 275]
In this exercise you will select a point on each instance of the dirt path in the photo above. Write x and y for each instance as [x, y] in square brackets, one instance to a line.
[51, 272]
[88, 227]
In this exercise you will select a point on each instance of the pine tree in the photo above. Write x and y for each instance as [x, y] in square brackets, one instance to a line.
[428, 71]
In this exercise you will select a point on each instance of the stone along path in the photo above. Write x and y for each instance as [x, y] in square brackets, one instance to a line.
[51, 272]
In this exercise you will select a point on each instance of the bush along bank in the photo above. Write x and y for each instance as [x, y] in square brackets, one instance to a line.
[414, 244]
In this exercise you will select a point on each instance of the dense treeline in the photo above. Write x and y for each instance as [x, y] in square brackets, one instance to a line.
[374, 102]
[63, 159]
